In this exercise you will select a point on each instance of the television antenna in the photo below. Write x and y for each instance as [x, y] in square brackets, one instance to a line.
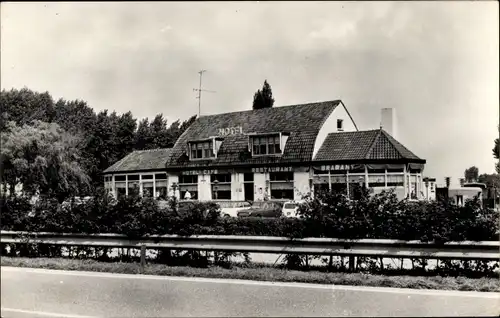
[199, 90]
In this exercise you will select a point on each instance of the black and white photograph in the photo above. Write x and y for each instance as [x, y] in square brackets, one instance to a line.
[250, 159]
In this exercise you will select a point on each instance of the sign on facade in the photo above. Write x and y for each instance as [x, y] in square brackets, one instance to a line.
[272, 169]
[229, 131]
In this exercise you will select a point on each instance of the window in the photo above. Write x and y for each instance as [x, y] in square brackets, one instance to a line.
[266, 145]
[133, 177]
[188, 183]
[281, 176]
[281, 185]
[395, 181]
[202, 150]
[161, 189]
[120, 178]
[161, 176]
[188, 179]
[376, 181]
[147, 189]
[221, 186]
[147, 177]
[133, 188]
[340, 124]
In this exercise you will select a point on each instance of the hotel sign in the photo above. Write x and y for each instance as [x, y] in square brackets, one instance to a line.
[198, 172]
[230, 131]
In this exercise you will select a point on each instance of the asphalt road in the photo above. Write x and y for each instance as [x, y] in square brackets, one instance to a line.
[44, 293]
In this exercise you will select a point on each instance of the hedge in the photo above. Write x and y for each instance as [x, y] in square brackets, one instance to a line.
[380, 216]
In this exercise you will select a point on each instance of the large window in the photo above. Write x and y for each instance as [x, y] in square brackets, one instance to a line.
[281, 185]
[202, 150]
[161, 186]
[266, 145]
[376, 180]
[395, 180]
[188, 183]
[221, 186]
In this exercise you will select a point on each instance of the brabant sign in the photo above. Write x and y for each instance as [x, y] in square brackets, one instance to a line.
[230, 131]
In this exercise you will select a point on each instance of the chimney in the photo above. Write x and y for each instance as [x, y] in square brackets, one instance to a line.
[388, 121]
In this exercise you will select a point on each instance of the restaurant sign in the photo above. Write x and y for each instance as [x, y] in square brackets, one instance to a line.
[335, 167]
[272, 169]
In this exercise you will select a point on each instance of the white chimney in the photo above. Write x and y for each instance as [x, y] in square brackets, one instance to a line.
[388, 121]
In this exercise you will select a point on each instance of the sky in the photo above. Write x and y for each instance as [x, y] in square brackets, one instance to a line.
[435, 63]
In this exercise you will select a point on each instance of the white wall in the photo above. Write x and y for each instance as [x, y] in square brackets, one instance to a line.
[237, 189]
[330, 126]
[259, 182]
[204, 187]
[301, 185]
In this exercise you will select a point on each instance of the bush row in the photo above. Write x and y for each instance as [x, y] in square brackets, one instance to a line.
[327, 215]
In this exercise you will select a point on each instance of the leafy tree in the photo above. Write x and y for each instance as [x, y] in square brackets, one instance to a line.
[44, 159]
[263, 98]
[124, 136]
[496, 154]
[24, 106]
[159, 134]
[471, 174]
[143, 135]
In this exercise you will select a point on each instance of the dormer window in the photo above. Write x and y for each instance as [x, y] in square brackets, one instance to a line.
[266, 145]
[205, 148]
[202, 150]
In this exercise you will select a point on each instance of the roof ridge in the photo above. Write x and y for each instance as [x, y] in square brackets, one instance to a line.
[151, 150]
[374, 142]
[274, 107]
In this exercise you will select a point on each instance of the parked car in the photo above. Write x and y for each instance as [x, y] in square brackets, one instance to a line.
[290, 209]
[231, 209]
[268, 209]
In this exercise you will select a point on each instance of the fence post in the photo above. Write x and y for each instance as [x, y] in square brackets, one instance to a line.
[143, 257]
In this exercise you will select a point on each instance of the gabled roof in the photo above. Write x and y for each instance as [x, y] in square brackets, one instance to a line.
[363, 145]
[302, 122]
[141, 160]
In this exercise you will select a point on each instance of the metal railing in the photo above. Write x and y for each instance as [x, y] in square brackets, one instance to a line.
[467, 250]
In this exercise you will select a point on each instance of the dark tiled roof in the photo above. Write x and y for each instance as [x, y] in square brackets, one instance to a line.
[302, 122]
[138, 160]
[362, 145]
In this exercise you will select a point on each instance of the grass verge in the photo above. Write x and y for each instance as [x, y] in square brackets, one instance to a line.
[262, 274]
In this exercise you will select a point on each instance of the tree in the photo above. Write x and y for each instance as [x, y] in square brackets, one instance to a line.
[24, 106]
[124, 135]
[44, 159]
[471, 174]
[496, 154]
[143, 135]
[263, 98]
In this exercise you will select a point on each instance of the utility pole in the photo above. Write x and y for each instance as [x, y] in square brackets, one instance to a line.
[199, 90]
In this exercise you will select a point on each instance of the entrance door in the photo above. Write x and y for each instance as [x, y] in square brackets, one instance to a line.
[248, 191]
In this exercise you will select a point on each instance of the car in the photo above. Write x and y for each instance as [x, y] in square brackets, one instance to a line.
[231, 209]
[291, 209]
[270, 209]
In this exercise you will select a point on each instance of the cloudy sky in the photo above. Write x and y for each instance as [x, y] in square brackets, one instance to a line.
[436, 63]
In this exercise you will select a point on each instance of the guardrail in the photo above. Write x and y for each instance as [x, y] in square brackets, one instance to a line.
[467, 250]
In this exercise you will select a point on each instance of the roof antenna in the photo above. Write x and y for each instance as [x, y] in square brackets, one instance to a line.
[199, 90]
